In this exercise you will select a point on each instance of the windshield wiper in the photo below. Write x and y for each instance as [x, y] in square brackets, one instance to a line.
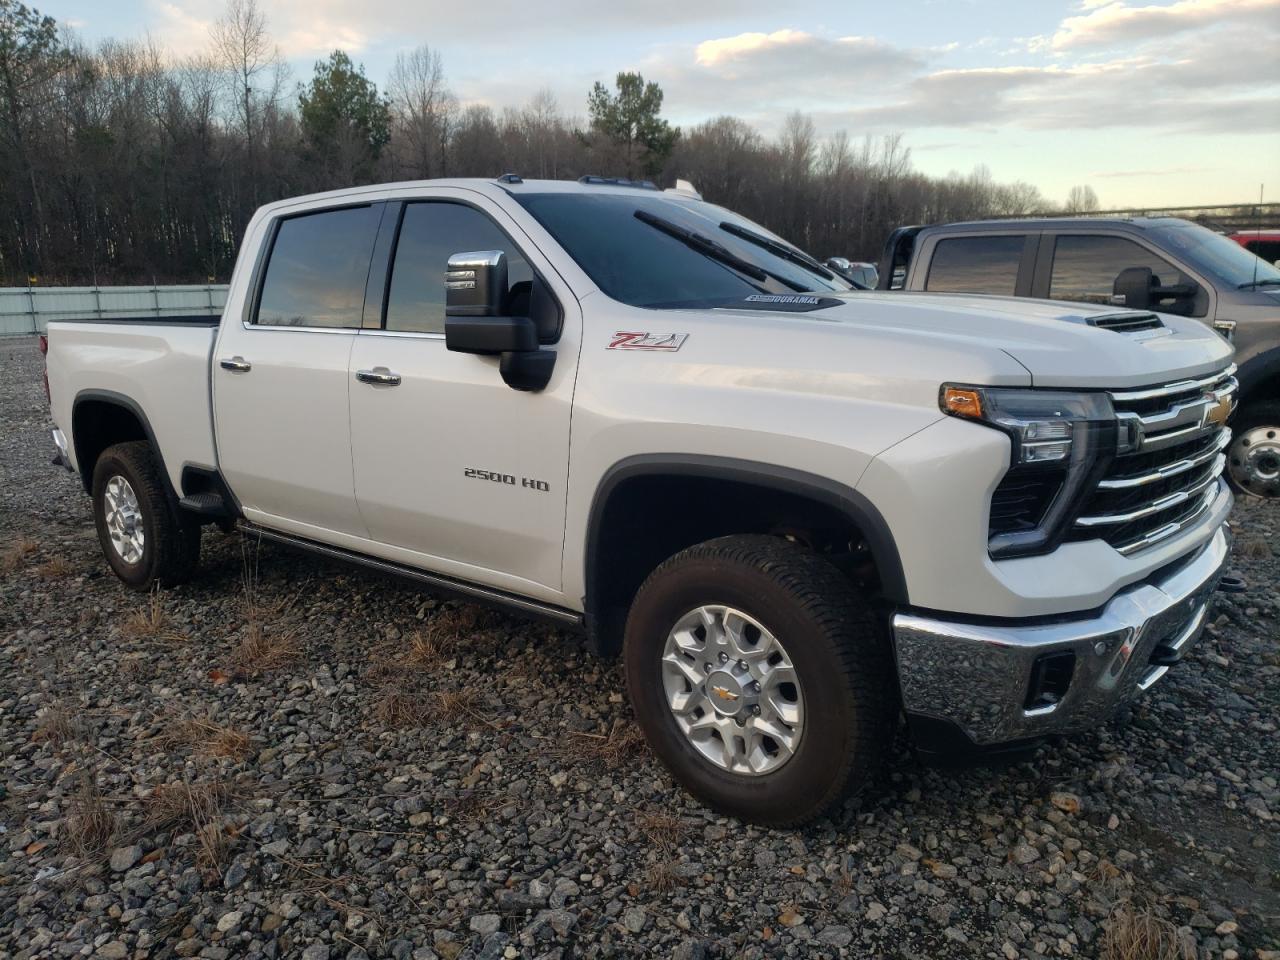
[714, 251]
[1265, 282]
[778, 249]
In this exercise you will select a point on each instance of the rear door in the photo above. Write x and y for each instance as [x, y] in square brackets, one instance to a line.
[280, 373]
[1000, 263]
[454, 470]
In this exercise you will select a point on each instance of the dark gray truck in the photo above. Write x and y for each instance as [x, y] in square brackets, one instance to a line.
[1159, 264]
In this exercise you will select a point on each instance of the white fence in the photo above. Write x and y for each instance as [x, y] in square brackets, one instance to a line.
[26, 310]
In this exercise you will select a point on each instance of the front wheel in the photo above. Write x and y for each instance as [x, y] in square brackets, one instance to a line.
[1253, 459]
[760, 677]
[144, 536]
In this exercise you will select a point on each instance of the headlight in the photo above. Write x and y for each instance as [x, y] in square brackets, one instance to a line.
[1061, 444]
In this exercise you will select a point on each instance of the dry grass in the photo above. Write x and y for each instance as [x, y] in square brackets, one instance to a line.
[399, 709]
[196, 807]
[662, 829]
[1254, 548]
[57, 725]
[1138, 934]
[471, 806]
[16, 555]
[263, 649]
[452, 706]
[622, 743]
[205, 737]
[55, 568]
[92, 825]
[151, 622]
[661, 877]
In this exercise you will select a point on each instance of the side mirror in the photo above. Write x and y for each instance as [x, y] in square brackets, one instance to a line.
[1132, 288]
[476, 284]
[476, 293]
[839, 264]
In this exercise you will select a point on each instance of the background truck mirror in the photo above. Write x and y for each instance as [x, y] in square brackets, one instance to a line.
[1132, 288]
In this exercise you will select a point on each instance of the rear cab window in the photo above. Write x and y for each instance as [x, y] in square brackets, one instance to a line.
[977, 264]
[316, 269]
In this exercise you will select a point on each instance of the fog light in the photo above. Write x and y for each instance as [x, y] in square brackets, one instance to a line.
[1050, 677]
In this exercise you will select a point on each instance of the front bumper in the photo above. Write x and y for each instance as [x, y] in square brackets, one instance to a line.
[991, 681]
[61, 457]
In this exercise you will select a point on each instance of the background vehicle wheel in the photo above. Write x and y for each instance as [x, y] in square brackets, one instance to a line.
[144, 537]
[1253, 459]
[760, 677]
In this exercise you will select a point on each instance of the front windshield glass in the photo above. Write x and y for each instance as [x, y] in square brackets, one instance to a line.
[1217, 255]
[639, 264]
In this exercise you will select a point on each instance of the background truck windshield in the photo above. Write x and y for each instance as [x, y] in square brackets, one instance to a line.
[1219, 256]
[640, 264]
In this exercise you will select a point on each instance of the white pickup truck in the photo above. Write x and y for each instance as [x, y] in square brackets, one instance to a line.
[801, 512]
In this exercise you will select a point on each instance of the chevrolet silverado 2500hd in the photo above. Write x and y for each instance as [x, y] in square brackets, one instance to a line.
[800, 512]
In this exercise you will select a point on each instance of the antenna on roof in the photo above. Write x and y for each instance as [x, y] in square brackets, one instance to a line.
[1258, 220]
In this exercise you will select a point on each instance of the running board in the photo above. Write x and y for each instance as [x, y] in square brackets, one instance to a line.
[509, 601]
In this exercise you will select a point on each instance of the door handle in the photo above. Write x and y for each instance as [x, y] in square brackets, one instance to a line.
[380, 376]
[235, 364]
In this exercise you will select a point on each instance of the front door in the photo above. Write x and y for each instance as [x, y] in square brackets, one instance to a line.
[280, 376]
[454, 470]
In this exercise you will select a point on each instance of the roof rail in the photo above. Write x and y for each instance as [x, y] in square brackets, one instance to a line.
[617, 182]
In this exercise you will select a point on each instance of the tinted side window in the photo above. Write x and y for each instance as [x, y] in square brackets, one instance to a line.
[976, 265]
[318, 267]
[1085, 268]
[430, 234]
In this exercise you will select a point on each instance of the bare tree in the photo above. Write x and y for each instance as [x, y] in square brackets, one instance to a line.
[422, 106]
[1081, 199]
[243, 47]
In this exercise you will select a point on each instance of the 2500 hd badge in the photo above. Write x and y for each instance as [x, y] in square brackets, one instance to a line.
[496, 476]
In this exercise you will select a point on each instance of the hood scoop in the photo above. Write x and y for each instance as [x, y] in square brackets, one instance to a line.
[1126, 322]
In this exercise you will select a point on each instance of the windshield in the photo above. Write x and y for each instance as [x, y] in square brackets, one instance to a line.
[659, 251]
[1217, 255]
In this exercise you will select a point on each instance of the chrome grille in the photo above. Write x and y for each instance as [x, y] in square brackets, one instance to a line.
[1167, 468]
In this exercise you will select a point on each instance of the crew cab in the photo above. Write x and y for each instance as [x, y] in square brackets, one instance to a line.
[799, 511]
[1159, 263]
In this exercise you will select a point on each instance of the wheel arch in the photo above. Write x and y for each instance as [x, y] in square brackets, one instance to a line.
[103, 418]
[609, 584]
[1259, 377]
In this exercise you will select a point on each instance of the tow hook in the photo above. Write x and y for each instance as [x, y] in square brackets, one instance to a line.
[1233, 585]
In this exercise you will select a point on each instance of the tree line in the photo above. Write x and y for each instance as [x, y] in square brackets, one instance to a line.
[120, 164]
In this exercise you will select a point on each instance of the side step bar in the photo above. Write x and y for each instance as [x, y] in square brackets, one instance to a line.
[472, 591]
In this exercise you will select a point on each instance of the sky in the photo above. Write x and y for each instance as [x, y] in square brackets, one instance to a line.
[1150, 103]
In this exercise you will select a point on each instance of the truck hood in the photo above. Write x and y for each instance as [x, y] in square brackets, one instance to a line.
[1054, 341]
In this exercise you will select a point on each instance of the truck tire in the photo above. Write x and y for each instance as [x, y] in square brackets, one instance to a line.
[1253, 459]
[143, 534]
[761, 678]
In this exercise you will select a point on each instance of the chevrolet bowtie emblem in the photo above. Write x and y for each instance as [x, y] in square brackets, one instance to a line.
[1217, 413]
[725, 694]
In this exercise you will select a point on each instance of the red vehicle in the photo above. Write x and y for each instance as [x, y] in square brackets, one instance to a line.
[1263, 243]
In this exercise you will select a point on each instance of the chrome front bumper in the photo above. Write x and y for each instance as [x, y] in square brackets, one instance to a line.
[983, 678]
[61, 457]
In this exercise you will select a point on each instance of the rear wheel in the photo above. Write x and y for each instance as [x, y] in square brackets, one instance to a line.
[760, 677]
[146, 539]
[1253, 459]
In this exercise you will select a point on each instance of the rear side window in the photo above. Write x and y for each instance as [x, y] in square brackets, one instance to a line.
[317, 269]
[976, 265]
[1085, 268]
[430, 234]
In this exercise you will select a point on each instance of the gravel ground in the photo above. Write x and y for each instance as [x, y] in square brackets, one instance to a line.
[286, 758]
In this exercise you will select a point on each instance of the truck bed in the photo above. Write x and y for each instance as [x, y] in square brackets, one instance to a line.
[159, 365]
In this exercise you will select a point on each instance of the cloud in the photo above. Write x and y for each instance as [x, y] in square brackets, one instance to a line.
[1145, 174]
[1109, 24]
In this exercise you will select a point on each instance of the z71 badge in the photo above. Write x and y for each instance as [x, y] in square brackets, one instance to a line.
[623, 340]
